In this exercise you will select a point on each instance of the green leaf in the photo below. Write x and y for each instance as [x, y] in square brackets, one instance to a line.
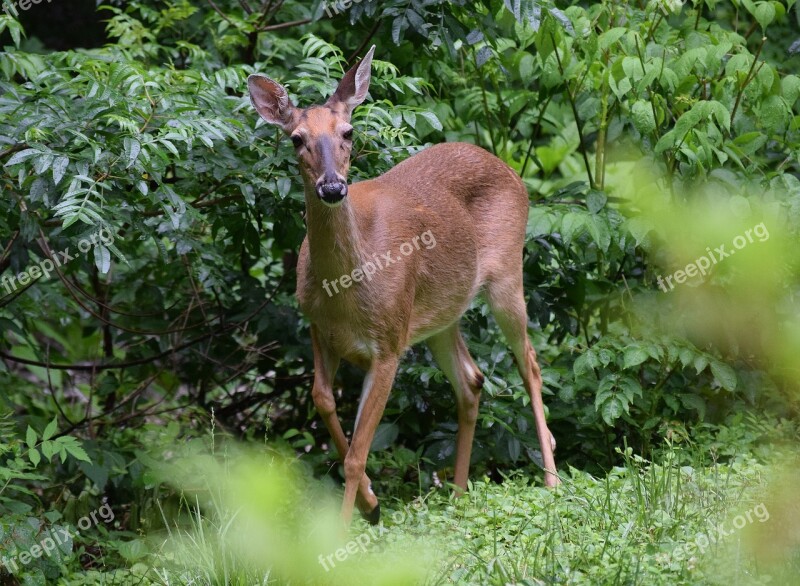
[738, 64]
[385, 436]
[724, 375]
[21, 157]
[695, 402]
[540, 222]
[639, 229]
[514, 446]
[665, 142]
[49, 449]
[773, 112]
[43, 163]
[633, 69]
[50, 430]
[59, 169]
[643, 118]
[397, 27]
[69, 445]
[672, 403]
[34, 456]
[612, 410]
[562, 19]
[689, 120]
[790, 88]
[527, 64]
[764, 13]
[611, 36]
[102, 259]
[750, 142]
[416, 21]
[30, 437]
[599, 231]
[432, 119]
[572, 224]
[39, 189]
[630, 388]
[132, 149]
[132, 550]
[700, 363]
[668, 79]
[596, 201]
[585, 363]
[79, 453]
[721, 113]
[483, 55]
[634, 356]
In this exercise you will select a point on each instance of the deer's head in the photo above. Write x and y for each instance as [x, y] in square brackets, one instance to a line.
[322, 134]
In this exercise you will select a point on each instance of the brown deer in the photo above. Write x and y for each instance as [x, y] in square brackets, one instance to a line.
[367, 304]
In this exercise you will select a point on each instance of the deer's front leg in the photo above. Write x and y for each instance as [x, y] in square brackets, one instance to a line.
[325, 366]
[377, 386]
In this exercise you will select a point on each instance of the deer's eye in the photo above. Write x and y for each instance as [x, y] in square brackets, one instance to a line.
[348, 134]
[297, 140]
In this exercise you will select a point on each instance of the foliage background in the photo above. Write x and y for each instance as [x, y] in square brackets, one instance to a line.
[611, 112]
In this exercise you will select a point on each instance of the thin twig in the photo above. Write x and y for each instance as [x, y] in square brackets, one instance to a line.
[575, 114]
[366, 40]
[222, 14]
[283, 25]
[747, 80]
[14, 149]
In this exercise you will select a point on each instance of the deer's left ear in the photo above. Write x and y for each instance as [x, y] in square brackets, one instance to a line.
[353, 88]
[270, 100]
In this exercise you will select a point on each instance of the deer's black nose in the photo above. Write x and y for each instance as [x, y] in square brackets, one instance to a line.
[331, 192]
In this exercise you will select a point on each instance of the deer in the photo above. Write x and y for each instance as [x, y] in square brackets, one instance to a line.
[470, 203]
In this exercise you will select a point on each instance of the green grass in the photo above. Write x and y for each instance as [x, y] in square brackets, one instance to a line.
[265, 521]
[620, 529]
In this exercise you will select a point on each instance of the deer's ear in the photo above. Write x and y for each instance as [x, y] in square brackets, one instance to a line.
[270, 100]
[353, 88]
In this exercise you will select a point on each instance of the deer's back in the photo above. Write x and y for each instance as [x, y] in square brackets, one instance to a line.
[451, 178]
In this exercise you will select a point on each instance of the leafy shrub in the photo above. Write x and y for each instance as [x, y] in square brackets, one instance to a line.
[190, 309]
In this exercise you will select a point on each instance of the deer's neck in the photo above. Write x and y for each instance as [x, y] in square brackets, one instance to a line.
[336, 247]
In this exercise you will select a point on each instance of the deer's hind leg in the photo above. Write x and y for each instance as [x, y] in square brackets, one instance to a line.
[507, 302]
[452, 356]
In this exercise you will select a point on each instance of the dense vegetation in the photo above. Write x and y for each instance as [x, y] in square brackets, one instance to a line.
[149, 229]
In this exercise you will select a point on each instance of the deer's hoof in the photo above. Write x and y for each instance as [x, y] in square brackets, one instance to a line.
[551, 480]
[374, 516]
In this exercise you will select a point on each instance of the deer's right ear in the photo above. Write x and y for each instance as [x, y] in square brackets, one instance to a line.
[270, 100]
[353, 88]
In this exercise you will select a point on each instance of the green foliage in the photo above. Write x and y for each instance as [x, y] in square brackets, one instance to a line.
[186, 312]
[644, 522]
[23, 471]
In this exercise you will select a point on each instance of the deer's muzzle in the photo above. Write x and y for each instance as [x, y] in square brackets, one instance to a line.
[331, 192]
